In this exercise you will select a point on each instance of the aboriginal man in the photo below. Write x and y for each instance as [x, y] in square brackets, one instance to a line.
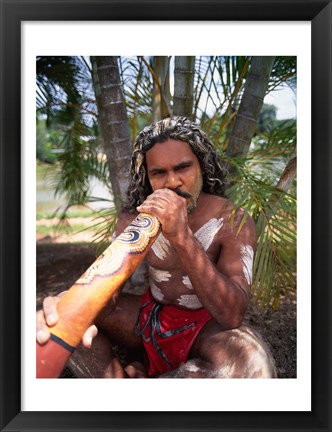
[188, 324]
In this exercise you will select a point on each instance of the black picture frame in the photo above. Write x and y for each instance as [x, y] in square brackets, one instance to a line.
[13, 12]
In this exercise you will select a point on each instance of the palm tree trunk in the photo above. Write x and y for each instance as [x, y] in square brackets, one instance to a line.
[288, 175]
[251, 103]
[184, 71]
[113, 123]
[285, 182]
[161, 88]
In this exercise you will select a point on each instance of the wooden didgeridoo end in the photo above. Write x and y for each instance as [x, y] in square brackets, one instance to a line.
[80, 305]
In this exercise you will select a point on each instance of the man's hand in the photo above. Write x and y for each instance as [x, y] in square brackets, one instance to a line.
[171, 211]
[48, 317]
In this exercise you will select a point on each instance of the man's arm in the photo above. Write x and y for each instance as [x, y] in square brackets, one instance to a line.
[223, 287]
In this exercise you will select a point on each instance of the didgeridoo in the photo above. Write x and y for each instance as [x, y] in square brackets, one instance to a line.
[80, 305]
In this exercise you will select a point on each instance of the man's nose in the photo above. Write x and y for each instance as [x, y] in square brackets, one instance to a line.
[173, 181]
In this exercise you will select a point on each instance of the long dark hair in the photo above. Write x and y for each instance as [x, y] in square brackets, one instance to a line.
[180, 128]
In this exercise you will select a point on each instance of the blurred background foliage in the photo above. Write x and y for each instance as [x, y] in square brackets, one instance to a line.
[81, 130]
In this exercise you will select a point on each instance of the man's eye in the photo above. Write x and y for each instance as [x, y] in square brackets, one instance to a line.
[183, 167]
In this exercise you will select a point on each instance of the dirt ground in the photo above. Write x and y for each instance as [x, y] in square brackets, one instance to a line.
[59, 265]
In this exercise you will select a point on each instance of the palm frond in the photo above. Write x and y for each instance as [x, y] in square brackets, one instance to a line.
[274, 212]
[283, 73]
[65, 95]
[138, 89]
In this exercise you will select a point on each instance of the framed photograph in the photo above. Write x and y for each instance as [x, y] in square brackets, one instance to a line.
[301, 28]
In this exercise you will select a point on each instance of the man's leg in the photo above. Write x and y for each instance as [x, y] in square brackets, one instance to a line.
[115, 328]
[238, 353]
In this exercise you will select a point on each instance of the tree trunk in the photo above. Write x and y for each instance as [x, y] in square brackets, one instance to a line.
[285, 182]
[184, 72]
[251, 103]
[288, 175]
[113, 123]
[161, 88]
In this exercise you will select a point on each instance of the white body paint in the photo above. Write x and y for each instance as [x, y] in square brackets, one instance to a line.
[205, 236]
[186, 281]
[156, 292]
[247, 256]
[190, 301]
[191, 367]
[161, 247]
[259, 364]
[159, 275]
[226, 371]
[207, 232]
[156, 275]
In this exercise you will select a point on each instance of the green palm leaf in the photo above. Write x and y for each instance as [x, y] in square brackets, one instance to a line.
[275, 259]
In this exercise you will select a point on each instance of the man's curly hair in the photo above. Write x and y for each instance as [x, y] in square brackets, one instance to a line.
[180, 128]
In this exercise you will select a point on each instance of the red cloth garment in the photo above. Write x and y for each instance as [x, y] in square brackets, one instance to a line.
[168, 333]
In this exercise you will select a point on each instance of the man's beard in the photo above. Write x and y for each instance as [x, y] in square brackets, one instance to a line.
[193, 203]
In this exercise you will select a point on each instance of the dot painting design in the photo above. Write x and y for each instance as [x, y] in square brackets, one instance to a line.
[133, 240]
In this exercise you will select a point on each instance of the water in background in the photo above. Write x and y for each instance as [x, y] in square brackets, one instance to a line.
[47, 203]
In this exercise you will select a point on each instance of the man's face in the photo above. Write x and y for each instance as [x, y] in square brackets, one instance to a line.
[173, 165]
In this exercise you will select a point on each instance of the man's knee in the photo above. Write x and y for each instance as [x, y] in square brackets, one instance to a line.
[248, 356]
[238, 353]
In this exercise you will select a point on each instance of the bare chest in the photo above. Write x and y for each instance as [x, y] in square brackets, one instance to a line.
[168, 282]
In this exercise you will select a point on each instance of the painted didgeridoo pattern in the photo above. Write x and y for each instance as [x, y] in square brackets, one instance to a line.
[81, 304]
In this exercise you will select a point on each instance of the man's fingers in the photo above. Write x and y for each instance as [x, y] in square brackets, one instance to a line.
[46, 317]
[150, 205]
[49, 317]
[50, 310]
[42, 331]
[89, 335]
[161, 196]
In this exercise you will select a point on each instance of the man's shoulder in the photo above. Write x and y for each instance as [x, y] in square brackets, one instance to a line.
[217, 204]
[220, 207]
